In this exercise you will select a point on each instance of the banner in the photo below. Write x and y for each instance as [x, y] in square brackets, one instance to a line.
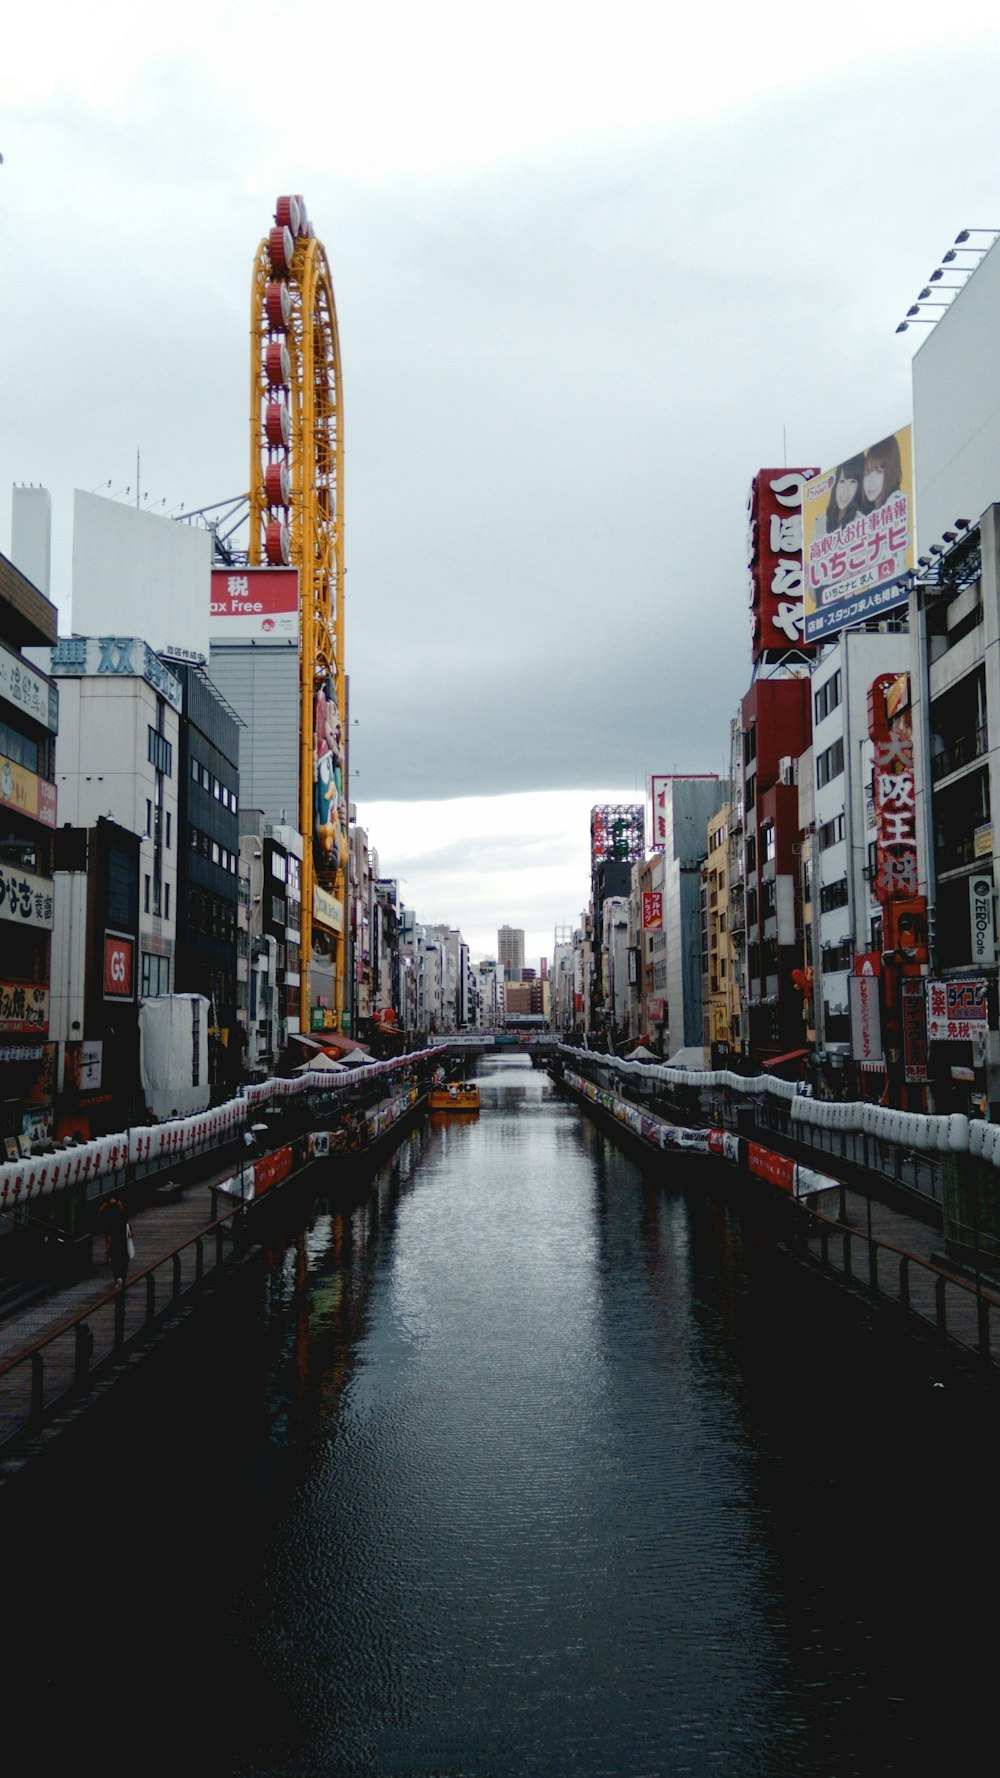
[858, 537]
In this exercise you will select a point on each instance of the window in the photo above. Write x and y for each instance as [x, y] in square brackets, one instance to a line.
[831, 832]
[154, 976]
[145, 895]
[833, 895]
[149, 816]
[166, 901]
[767, 836]
[168, 830]
[828, 696]
[196, 771]
[160, 753]
[830, 763]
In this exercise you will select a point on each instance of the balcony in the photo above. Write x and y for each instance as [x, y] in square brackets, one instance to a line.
[961, 751]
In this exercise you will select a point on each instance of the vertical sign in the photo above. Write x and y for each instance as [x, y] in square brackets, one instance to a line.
[866, 1024]
[774, 559]
[982, 927]
[913, 1019]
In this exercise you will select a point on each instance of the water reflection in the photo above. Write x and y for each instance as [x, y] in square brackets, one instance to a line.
[523, 1462]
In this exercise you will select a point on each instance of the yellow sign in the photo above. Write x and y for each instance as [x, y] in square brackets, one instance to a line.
[327, 910]
[27, 792]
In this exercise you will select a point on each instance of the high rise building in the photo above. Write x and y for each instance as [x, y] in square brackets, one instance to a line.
[510, 952]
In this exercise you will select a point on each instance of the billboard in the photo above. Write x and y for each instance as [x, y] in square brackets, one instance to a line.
[257, 602]
[616, 832]
[858, 537]
[774, 559]
[957, 1010]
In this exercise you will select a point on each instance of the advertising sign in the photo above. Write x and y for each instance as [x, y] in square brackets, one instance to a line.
[652, 910]
[24, 1006]
[982, 926]
[115, 657]
[774, 559]
[866, 1022]
[657, 830]
[327, 910]
[765, 1163]
[895, 812]
[913, 1024]
[118, 953]
[25, 900]
[26, 792]
[254, 602]
[616, 832]
[957, 1012]
[858, 537]
[22, 686]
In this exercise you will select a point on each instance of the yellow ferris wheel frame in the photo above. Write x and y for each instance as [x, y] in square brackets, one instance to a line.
[315, 461]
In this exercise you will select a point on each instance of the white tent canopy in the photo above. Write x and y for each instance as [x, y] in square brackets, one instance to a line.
[321, 1065]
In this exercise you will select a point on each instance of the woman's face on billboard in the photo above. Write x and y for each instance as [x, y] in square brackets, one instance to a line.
[845, 490]
[874, 482]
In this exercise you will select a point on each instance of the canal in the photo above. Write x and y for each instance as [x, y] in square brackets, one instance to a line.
[515, 1461]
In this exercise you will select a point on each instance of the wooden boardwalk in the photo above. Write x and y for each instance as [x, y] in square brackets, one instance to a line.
[63, 1350]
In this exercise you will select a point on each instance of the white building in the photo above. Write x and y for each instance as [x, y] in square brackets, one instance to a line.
[119, 722]
[844, 909]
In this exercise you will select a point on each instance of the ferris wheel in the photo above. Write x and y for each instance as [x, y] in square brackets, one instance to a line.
[296, 520]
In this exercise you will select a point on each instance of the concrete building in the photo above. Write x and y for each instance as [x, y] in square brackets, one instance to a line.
[510, 952]
[688, 803]
[208, 863]
[720, 986]
[29, 720]
[775, 723]
[120, 718]
[842, 883]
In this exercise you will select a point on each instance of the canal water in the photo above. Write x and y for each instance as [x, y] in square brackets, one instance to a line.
[516, 1461]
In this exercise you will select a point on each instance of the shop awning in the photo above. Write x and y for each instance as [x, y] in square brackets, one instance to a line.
[790, 1056]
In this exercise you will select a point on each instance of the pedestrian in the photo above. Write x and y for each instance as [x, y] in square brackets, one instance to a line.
[118, 1243]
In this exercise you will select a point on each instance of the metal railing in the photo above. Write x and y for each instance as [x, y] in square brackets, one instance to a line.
[65, 1365]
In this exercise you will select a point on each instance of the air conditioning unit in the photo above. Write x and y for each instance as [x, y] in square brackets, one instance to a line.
[788, 770]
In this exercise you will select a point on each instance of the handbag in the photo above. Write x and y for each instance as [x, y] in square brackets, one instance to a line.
[129, 1243]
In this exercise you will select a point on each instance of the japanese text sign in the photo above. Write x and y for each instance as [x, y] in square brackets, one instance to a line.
[858, 537]
[255, 602]
[774, 559]
[957, 1011]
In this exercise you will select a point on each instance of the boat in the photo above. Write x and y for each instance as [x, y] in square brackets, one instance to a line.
[454, 1095]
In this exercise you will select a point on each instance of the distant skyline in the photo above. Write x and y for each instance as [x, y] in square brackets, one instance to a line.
[581, 301]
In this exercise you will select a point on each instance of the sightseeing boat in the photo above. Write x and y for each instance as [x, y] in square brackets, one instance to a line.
[454, 1095]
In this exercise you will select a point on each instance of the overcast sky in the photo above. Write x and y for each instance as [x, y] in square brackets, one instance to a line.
[593, 269]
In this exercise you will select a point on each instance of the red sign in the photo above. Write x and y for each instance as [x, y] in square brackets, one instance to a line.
[774, 559]
[255, 602]
[895, 813]
[271, 1168]
[913, 1020]
[652, 910]
[118, 953]
[24, 1006]
[766, 1164]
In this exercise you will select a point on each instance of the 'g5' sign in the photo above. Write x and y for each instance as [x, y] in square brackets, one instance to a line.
[117, 967]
